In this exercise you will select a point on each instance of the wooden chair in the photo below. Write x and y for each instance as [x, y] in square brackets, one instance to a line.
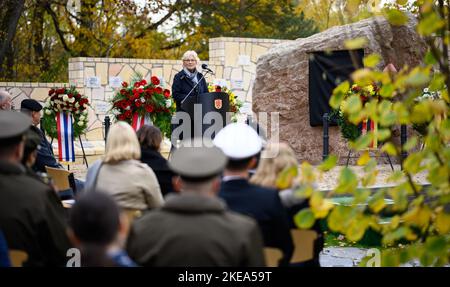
[272, 256]
[17, 257]
[62, 178]
[304, 245]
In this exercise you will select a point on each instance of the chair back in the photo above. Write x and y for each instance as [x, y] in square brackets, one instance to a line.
[304, 244]
[60, 177]
[17, 257]
[272, 256]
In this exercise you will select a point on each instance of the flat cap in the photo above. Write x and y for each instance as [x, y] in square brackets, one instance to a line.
[238, 141]
[31, 105]
[13, 124]
[197, 163]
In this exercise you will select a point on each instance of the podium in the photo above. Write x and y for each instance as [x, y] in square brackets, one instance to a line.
[210, 107]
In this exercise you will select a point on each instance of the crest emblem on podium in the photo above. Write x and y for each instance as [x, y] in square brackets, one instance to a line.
[218, 104]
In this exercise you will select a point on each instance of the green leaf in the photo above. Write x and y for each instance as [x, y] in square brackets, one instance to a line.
[363, 159]
[356, 43]
[389, 148]
[396, 17]
[372, 60]
[347, 181]
[402, 2]
[438, 82]
[285, 178]
[338, 94]
[395, 176]
[430, 24]
[304, 219]
[418, 78]
[429, 58]
[353, 105]
[388, 119]
[356, 229]
[383, 134]
[387, 91]
[339, 218]
[412, 163]
[328, 163]
[304, 191]
[411, 143]
[377, 202]
[362, 142]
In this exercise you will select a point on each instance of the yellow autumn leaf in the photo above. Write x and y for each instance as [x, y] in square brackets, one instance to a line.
[364, 158]
[442, 222]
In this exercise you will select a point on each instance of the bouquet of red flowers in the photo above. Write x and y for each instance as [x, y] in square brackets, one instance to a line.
[144, 99]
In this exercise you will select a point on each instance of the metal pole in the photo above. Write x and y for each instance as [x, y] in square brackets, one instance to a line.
[403, 139]
[107, 125]
[84, 154]
[325, 136]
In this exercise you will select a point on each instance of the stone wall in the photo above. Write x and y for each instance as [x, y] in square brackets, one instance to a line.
[285, 67]
[232, 59]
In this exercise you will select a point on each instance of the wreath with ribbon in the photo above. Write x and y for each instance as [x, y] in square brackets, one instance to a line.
[69, 101]
[349, 130]
[141, 102]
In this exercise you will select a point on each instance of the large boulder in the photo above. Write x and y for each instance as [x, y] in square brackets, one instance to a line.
[281, 83]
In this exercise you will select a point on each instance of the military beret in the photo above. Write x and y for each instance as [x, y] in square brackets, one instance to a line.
[30, 104]
[197, 163]
[238, 141]
[13, 124]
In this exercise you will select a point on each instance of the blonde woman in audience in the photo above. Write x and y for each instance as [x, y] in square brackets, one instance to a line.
[130, 182]
[270, 167]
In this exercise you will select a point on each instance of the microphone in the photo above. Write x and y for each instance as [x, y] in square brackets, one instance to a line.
[205, 67]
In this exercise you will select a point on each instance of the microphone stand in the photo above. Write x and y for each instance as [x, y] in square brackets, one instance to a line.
[201, 78]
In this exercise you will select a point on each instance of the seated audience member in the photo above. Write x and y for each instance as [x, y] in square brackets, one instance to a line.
[241, 144]
[31, 216]
[276, 158]
[45, 156]
[5, 101]
[4, 254]
[98, 229]
[150, 138]
[130, 182]
[194, 227]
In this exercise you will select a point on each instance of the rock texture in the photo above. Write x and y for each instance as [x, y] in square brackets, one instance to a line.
[281, 83]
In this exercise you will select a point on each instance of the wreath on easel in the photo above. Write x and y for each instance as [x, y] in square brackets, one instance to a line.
[65, 100]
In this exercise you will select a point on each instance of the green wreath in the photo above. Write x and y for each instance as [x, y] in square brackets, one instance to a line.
[65, 100]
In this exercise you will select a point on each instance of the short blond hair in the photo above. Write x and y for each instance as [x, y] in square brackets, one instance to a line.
[121, 144]
[270, 167]
[190, 54]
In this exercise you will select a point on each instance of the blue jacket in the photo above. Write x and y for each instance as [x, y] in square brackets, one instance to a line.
[265, 206]
[182, 85]
[4, 255]
[45, 156]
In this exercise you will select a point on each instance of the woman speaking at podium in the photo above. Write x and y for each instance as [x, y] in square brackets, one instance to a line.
[188, 84]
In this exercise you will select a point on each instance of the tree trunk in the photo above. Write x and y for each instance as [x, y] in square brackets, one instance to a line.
[38, 37]
[10, 12]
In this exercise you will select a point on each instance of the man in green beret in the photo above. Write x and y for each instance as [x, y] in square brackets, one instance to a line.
[31, 216]
[194, 227]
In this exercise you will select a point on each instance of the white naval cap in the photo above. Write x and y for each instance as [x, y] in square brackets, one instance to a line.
[238, 141]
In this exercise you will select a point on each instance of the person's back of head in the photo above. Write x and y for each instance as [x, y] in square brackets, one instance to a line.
[32, 140]
[241, 144]
[13, 126]
[275, 158]
[150, 137]
[198, 167]
[5, 101]
[94, 226]
[121, 144]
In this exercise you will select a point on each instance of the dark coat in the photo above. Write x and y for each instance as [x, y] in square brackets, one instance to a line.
[182, 85]
[159, 166]
[265, 206]
[45, 156]
[32, 217]
[193, 230]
